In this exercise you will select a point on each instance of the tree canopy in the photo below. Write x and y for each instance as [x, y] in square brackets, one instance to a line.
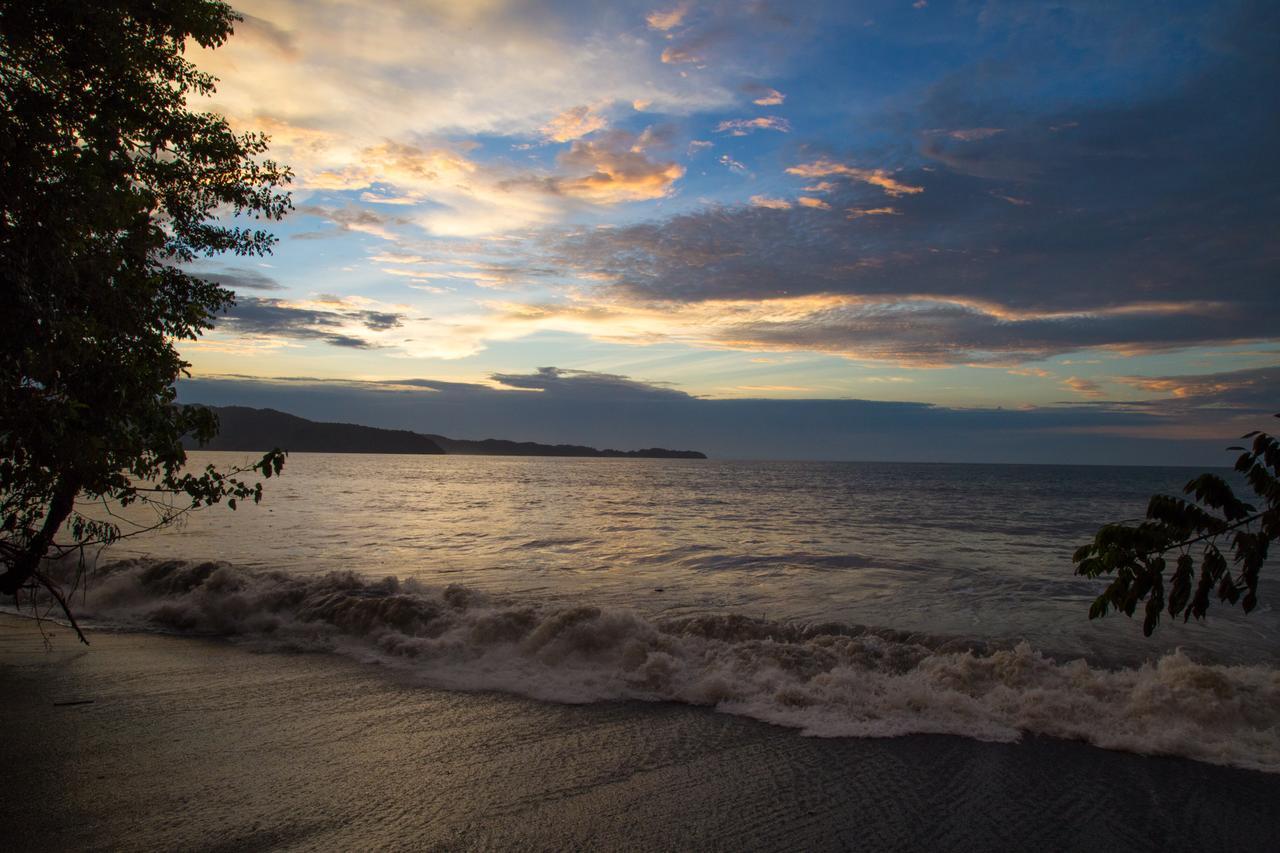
[1179, 531]
[110, 185]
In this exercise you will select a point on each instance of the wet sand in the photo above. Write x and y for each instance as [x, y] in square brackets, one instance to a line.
[194, 744]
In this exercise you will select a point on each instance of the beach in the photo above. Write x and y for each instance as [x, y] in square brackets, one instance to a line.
[200, 744]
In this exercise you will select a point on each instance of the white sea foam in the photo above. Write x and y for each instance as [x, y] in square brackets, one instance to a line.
[826, 680]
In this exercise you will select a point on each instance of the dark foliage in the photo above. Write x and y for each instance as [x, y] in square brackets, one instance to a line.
[1211, 527]
[109, 185]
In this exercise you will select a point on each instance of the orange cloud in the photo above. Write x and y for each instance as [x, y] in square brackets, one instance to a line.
[815, 203]
[615, 169]
[875, 177]
[859, 212]
[393, 163]
[676, 55]
[770, 98]
[1084, 387]
[771, 203]
[668, 19]
[1177, 386]
[573, 124]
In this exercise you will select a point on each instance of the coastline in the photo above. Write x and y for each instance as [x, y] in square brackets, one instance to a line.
[201, 744]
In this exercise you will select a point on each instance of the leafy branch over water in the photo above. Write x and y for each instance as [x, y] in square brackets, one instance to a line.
[1178, 531]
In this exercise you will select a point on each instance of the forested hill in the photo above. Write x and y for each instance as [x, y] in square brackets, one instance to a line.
[499, 447]
[246, 429]
[242, 428]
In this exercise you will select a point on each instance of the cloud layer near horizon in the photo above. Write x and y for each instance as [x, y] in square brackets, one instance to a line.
[552, 405]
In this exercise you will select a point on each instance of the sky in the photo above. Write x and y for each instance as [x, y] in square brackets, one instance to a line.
[948, 231]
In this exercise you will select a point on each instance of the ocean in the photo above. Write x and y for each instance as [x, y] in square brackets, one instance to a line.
[836, 599]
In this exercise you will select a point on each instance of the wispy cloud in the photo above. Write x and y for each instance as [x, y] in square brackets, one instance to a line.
[1084, 387]
[859, 212]
[969, 134]
[881, 178]
[574, 123]
[764, 96]
[667, 19]
[744, 126]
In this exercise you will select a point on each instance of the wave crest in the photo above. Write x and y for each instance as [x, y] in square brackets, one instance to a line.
[827, 680]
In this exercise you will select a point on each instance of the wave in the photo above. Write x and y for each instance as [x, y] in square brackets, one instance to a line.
[827, 680]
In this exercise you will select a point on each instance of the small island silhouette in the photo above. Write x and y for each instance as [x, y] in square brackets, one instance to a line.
[247, 429]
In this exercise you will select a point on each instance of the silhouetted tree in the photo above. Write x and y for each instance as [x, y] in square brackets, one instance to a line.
[109, 185]
[1179, 531]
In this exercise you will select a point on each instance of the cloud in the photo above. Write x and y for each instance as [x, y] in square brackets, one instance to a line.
[239, 279]
[733, 165]
[744, 126]
[573, 124]
[773, 203]
[1084, 387]
[925, 331]
[564, 383]
[676, 55]
[875, 177]
[813, 203]
[351, 218]
[330, 320]
[898, 284]
[254, 29]
[1253, 390]
[614, 167]
[420, 73]
[970, 134]
[443, 191]
[1014, 200]
[667, 19]
[764, 96]
[608, 410]
[859, 212]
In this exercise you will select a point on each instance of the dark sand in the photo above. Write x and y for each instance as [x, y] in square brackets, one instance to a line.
[200, 745]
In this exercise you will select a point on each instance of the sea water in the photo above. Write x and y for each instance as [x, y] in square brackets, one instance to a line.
[843, 599]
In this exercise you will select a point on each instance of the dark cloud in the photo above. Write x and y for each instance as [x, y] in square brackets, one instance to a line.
[1252, 391]
[347, 219]
[563, 383]
[946, 333]
[258, 316]
[615, 411]
[239, 278]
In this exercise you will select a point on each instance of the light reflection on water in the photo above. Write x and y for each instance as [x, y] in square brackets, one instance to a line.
[971, 550]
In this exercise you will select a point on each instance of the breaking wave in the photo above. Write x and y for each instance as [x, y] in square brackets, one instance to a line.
[827, 680]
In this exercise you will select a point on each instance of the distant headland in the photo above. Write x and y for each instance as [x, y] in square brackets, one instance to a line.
[246, 429]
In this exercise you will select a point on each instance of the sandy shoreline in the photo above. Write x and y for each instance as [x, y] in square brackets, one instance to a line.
[202, 745]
